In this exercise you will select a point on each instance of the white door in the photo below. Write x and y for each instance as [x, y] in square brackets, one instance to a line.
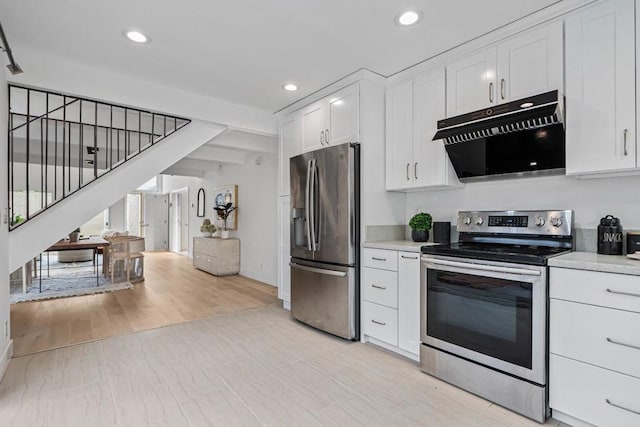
[342, 118]
[600, 97]
[313, 129]
[471, 83]
[184, 220]
[409, 301]
[530, 63]
[399, 136]
[430, 160]
[156, 221]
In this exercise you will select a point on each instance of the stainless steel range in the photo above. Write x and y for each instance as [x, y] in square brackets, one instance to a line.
[484, 305]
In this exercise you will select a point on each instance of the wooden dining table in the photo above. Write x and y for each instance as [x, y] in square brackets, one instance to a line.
[93, 242]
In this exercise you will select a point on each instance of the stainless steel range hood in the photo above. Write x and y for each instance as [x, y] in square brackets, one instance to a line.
[519, 138]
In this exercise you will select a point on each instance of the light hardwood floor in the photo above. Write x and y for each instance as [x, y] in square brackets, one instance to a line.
[251, 367]
[173, 292]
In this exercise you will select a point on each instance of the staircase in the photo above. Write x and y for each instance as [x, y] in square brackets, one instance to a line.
[70, 157]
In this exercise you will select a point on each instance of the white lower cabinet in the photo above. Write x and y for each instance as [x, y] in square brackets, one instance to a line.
[284, 271]
[391, 300]
[594, 365]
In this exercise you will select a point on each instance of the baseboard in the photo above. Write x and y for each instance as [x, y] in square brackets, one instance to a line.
[6, 358]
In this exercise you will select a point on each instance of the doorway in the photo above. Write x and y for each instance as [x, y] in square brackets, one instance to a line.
[156, 221]
[179, 221]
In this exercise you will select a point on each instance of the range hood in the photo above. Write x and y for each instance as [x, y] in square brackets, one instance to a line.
[519, 138]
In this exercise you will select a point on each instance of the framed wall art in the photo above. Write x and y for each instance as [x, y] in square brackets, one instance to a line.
[221, 197]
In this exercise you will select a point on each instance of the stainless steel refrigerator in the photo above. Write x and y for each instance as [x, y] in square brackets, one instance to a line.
[325, 239]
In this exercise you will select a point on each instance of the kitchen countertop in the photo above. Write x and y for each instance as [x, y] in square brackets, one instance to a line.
[595, 262]
[398, 245]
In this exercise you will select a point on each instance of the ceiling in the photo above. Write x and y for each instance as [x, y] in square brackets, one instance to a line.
[243, 51]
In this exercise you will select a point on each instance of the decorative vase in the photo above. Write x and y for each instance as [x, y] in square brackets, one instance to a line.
[207, 234]
[225, 234]
[419, 235]
[73, 237]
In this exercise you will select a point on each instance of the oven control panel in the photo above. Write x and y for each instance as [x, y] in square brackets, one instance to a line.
[552, 223]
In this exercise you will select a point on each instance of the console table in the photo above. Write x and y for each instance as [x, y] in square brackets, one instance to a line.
[220, 257]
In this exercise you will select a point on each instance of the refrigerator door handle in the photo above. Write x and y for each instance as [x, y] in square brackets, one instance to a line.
[307, 197]
[318, 270]
[312, 206]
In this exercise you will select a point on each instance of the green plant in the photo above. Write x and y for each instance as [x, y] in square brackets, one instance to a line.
[16, 219]
[420, 222]
[207, 226]
[223, 212]
[77, 230]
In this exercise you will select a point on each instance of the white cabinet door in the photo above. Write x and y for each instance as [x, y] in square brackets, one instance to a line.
[399, 136]
[600, 82]
[284, 272]
[471, 83]
[313, 128]
[342, 119]
[530, 63]
[289, 138]
[431, 165]
[409, 301]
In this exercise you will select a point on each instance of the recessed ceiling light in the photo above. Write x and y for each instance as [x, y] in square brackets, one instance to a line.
[290, 87]
[410, 17]
[136, 36]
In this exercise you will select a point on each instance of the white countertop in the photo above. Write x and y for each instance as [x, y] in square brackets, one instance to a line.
[398, 245]
[591, 261]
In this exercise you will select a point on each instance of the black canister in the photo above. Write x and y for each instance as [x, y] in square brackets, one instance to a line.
[610, 236]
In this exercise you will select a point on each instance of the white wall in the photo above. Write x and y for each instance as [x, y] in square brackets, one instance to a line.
[257, 210]
[5, 343]
[590, 199]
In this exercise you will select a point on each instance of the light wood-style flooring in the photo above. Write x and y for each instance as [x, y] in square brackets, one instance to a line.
[173, 292]
[251, 367]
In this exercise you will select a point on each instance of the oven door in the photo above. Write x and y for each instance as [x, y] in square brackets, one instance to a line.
[489, 312]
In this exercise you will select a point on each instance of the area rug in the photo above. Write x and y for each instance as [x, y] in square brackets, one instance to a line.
[66, 280]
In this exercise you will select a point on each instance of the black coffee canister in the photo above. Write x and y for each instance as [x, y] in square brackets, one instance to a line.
[442, 232]
[610, 236]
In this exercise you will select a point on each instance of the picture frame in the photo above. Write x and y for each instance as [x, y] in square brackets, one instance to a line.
[223, 195]
[200, 203]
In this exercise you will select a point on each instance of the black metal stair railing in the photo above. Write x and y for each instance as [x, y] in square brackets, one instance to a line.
[60, 143]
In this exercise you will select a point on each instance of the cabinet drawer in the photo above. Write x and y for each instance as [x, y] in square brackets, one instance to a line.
[596, 335]
[619, 291]
[380, 322]
[380, 258]
[582, 391]
[380, 286]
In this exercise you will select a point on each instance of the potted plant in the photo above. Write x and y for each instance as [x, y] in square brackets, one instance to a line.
[73, 236]
[420, 225]
[207, 228]
[223, 212]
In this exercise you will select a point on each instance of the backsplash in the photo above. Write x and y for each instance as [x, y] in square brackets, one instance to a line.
[586, 238]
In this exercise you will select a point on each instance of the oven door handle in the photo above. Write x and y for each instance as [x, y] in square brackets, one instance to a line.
[482, 267]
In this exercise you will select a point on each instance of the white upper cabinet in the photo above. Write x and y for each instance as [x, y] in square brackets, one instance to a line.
[471, 83]
[530, 63]
[399, 136]
[431, 167]
[600, 96]
[332, 120]
[413, 159]
[526, 64]
[342, 124]
[289, 139]
[313, 126]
